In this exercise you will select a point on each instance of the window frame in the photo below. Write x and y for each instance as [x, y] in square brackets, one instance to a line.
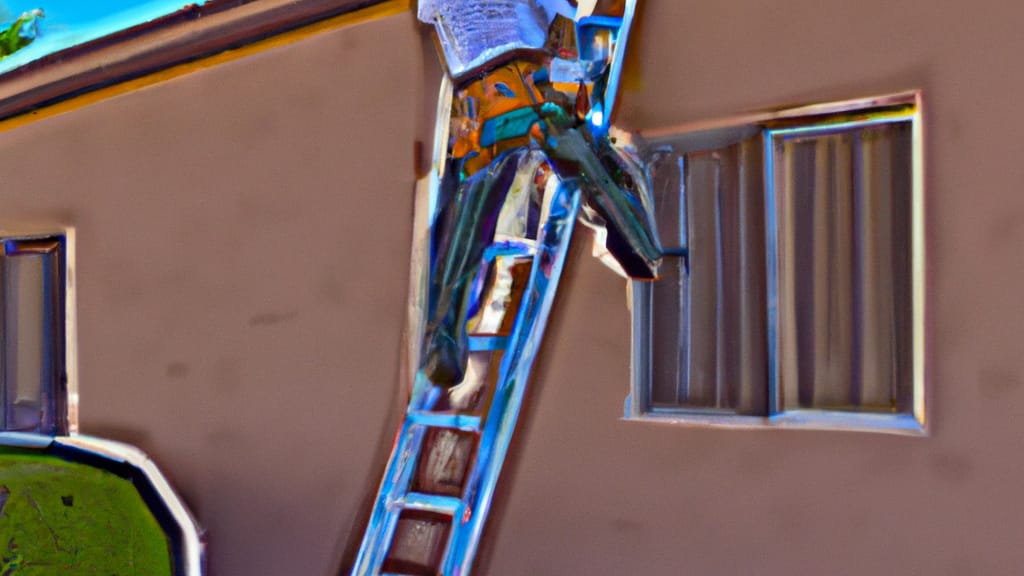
[807, 120]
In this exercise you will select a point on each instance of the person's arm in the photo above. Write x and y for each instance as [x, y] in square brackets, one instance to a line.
[631, 239]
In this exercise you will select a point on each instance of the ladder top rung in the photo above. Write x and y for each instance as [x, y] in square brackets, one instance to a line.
[509, 246]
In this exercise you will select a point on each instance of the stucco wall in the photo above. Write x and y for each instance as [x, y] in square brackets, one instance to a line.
[242, 273]
[243, 240]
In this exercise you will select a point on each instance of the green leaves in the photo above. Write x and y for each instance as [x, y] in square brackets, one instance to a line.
[20, 33]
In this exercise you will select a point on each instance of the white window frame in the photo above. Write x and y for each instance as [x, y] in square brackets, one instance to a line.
[821, 118]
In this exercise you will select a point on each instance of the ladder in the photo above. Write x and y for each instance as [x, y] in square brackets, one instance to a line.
[430, 509]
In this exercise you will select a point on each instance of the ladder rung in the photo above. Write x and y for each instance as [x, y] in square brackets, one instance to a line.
[485, 343]
[429, 503]
[444, 420]
[510, 247]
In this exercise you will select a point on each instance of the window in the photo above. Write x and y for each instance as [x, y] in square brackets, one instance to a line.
[792, 290]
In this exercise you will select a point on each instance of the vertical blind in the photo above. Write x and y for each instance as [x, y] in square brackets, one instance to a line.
[788, 282]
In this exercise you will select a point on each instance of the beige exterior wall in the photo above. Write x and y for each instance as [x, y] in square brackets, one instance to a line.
[242, 269]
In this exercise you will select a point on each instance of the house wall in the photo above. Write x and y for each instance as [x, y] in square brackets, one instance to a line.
[243, 242]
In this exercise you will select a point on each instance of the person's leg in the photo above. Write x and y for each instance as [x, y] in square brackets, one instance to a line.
[469, 225]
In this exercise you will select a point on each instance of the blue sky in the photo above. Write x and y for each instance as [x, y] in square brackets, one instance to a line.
[78, 11]
[71, 22]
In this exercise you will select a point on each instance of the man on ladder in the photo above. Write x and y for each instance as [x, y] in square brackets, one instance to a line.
[532, 85]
